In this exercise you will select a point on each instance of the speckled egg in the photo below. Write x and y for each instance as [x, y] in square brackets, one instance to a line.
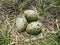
[21, 23]
[31, 15]
[34, 28]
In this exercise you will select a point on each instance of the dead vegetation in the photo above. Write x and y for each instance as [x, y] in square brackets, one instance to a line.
[49, 11]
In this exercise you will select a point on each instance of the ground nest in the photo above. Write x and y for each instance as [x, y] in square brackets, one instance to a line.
[50, 20]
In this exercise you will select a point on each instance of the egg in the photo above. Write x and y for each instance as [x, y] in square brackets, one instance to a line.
[21, 23]
[34, 28]
[31, 15]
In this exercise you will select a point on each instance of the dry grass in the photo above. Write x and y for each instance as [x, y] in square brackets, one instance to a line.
[49, 11]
